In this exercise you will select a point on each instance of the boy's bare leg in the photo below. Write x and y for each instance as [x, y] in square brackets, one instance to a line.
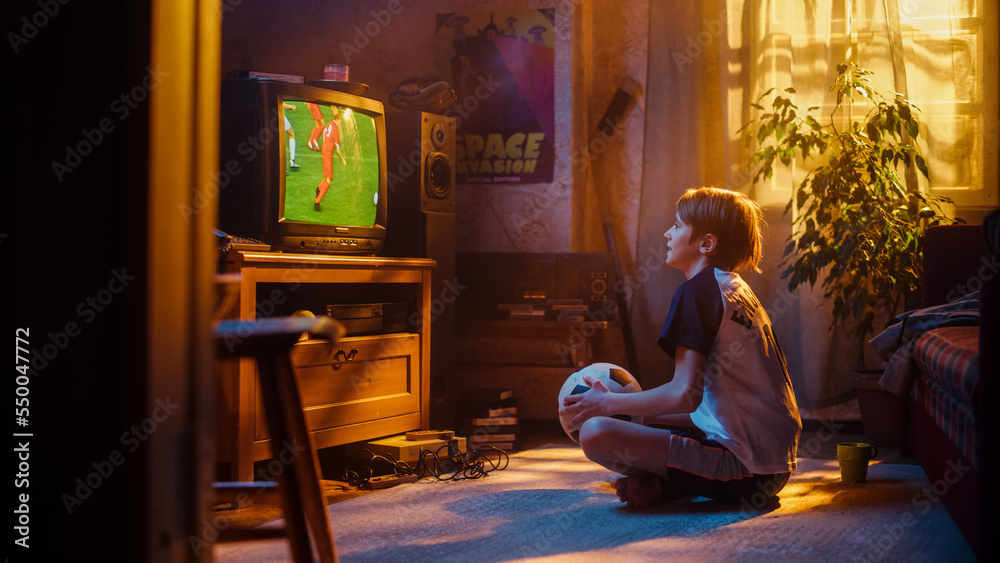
[636, 451]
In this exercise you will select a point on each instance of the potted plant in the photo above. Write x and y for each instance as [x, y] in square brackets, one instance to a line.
[859, 215]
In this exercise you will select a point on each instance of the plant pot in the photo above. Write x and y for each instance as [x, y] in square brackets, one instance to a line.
[882, 413]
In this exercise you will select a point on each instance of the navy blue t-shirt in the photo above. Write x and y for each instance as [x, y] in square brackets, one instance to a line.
[695, 315]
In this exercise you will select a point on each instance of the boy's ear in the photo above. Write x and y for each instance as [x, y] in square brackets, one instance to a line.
[708, 244]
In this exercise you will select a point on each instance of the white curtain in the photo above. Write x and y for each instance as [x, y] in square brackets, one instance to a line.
[940, 54]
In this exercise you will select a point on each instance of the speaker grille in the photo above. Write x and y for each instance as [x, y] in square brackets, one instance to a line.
[438, 184]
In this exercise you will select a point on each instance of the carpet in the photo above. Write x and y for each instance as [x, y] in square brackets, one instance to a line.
[552, 504]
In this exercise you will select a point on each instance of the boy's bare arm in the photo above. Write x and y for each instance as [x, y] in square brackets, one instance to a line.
[682, 395]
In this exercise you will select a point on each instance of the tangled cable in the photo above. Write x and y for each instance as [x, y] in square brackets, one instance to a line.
[457, 465]
[447, 463]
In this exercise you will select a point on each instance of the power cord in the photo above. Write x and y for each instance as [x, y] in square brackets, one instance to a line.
[363, 477]
[447, 463]
[456, 465]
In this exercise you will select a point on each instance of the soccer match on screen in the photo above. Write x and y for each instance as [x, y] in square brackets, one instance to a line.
[331, 165]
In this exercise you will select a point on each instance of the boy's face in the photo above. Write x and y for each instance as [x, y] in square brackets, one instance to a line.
[682, 251]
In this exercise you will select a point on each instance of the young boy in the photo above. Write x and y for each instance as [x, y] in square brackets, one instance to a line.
[730, 390]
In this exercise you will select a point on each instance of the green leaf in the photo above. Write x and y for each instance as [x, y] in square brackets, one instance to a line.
[904, 110]
[872, 130]
[857, 228]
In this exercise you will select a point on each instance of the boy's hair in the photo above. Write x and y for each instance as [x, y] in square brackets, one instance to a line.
[732, 217]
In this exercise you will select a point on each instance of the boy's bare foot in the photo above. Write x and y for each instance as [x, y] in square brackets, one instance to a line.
[639, 491]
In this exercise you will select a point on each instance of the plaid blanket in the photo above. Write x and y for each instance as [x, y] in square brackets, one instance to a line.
[897, 343]
[949, 356]
[952, 416]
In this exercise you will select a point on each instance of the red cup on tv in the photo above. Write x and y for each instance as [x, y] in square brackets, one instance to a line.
[336, 72]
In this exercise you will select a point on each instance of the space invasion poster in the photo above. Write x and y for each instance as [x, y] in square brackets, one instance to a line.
[501, 65]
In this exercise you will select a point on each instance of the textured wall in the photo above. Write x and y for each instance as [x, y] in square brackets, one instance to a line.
[387, 41]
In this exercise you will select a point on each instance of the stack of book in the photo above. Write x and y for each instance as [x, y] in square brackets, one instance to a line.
[562, 310]
[489, 418]
[568, 310]
[522, 312]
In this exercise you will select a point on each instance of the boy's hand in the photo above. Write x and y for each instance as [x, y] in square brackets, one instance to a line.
[586, 405]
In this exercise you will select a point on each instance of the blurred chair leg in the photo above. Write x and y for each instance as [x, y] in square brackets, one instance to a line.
[270, 341]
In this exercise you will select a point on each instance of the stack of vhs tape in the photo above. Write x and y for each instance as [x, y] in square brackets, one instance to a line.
[489, 418]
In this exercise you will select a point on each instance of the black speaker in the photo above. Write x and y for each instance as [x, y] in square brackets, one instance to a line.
[420, 153]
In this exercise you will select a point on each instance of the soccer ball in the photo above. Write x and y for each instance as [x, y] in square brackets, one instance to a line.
[617, 379]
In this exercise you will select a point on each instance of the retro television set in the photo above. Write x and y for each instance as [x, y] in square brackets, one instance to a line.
[276, 155]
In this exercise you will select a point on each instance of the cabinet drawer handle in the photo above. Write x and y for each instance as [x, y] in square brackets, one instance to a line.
[348, 356]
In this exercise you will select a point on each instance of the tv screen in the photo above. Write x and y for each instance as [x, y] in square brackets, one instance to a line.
[330, 165]
[308, 167]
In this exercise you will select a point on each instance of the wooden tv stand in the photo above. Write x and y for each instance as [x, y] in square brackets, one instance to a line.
[361, 388]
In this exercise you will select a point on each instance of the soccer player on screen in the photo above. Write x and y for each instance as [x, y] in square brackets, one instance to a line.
[331, 143]
[291, 138]
[318, 123]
